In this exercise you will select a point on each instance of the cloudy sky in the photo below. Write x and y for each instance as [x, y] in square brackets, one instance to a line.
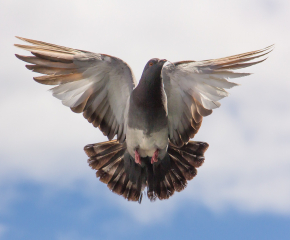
[47, 190]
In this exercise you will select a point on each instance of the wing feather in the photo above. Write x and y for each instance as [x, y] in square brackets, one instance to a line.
[193, 89]
[50, 70]
[98, 85]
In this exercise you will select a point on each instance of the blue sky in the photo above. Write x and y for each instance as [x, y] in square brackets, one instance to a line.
[62, 217]
[47, 190]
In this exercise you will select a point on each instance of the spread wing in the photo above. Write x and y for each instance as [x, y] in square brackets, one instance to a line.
[193, 89]
[96, 84]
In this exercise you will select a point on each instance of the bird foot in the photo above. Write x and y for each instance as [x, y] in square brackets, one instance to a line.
[137, 158]
[155, 157]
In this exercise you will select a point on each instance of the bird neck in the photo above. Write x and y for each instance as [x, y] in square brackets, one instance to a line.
[150, 91]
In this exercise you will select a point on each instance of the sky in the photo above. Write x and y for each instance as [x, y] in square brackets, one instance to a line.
[242, 191]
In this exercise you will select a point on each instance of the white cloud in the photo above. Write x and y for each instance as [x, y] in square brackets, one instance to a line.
[247, 165]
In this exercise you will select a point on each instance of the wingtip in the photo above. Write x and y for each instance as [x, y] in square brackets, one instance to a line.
[22, 38]
[19, 46]
[18, 56]
[29, 67]
[268, 49]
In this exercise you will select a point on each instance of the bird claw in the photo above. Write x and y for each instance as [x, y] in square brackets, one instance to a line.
[137, 158]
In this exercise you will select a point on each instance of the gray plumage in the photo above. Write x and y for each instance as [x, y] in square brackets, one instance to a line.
[153, 121]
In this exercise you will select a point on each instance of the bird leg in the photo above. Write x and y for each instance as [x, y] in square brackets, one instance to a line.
[137, 157]
[155, 157]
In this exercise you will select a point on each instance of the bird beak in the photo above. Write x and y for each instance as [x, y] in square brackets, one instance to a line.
[162, 60]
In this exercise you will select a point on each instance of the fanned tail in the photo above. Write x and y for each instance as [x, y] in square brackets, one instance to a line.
[173, 173]
[116, 168]
[108, 159]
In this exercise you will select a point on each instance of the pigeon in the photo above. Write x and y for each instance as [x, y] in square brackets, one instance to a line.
[149, 125]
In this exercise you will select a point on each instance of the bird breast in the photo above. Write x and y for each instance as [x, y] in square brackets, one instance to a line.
[146, 144]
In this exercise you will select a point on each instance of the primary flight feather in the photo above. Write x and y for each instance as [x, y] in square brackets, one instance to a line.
[153, 121]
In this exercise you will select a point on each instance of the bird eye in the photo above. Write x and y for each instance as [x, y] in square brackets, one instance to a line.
[151, 63]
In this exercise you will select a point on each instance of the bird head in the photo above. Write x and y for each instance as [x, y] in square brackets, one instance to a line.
[153, 69]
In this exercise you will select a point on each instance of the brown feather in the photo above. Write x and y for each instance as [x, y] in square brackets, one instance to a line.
[241, 56]
[98, 161]
[80, 108]
[113, 130]
[178, 183]
[229, 61]
[126, 193]
[177, 140]
[32, 48]
[120, 134]
[117, 170]
[108, 159]
[95, 120]
[190, 131]
[51, 46]
[101, 110]
[116, 147]
[241, 65]
[98, 148]
[182, 133]
[169, 185]
[88, 114]
[112, 173]
[44, 62]
[50, 70]
[120, 185]
[134, 194]
[163, 191]
[58, 79]
[187, 170]
[54, 56]
[194, 112]
[201, 110]
[104, 125]
[195, 125]
[192, 152]
[104, 176]
[194, 160]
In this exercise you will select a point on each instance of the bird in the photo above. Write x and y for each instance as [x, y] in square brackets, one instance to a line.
[149, 125]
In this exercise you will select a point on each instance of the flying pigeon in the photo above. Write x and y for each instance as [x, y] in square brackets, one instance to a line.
[152, 121]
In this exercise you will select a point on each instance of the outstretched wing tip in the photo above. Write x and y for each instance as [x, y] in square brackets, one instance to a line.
[194, 88]
[23, 39]
[18, 38]
[272, 46]
[21, 57]
[17, 45]
[65, 67]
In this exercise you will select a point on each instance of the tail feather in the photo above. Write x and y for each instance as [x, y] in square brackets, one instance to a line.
[178, 180]
[169, 188]
[108, 159]
[187, 170]
[117, 169]
[192, 152]
[123, 176]
[120, 186]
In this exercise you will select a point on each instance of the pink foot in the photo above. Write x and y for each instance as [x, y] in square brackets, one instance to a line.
[137, 158]
[155, 157]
